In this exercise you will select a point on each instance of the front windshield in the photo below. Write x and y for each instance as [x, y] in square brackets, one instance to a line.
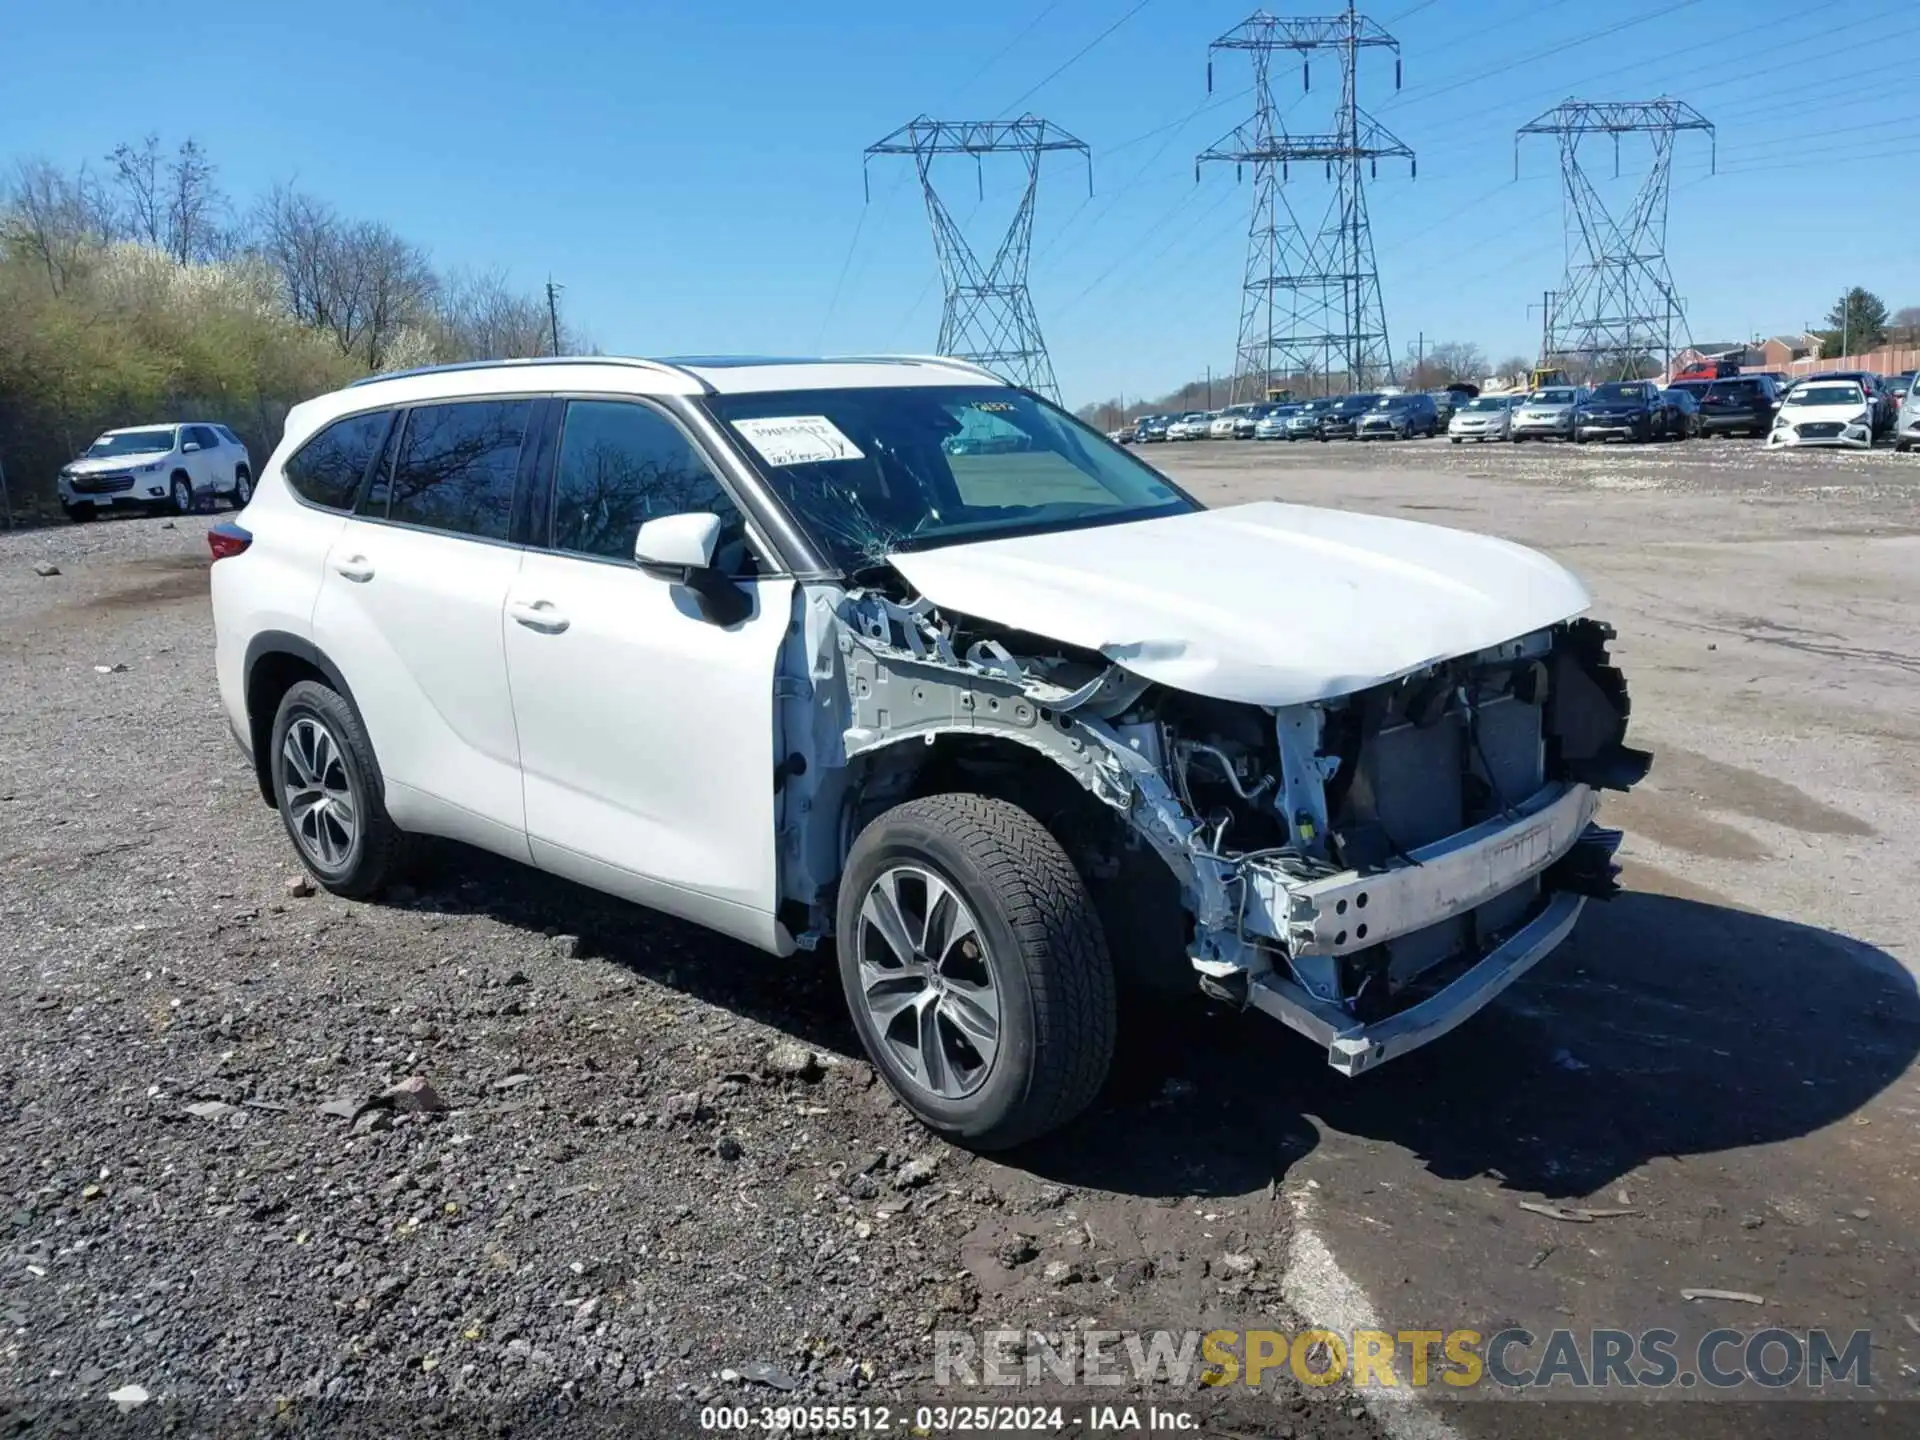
[1394, 402]
[132, 442]
[1623, 392]
[1552, 397]
[1356, 402]
[1487, 402]
[871, 471]
[1827, 395]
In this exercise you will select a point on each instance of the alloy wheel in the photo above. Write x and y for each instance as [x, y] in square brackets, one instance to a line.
[927, 981]
[182, 497]
[319, 795]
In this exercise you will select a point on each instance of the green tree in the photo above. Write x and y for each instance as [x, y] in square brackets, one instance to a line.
[1856, 324]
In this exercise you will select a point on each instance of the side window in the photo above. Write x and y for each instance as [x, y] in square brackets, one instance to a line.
[326, 471]
[455, 467]
[622, 464]
[208, 440]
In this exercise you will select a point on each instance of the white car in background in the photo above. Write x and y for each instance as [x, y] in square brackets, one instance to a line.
[1824, 412]
[1232, 423]
[157, 467]
[1017, 725]
[1191, 426]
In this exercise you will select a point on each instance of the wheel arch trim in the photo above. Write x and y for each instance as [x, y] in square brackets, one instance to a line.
[265, 645]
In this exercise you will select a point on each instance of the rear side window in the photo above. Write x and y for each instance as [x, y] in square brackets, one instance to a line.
[455, 467]
[622, 464]
[327, 470]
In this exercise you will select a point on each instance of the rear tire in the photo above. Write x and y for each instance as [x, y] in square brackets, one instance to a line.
[1019, 963]
[330, 793]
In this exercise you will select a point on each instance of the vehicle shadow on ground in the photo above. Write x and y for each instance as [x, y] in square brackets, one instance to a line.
[799, 994]
[1666, 1026]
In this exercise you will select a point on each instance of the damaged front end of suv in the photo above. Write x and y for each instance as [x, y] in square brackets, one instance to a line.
[1369, 867]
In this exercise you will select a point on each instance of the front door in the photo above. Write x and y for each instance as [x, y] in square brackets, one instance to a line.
[646, 731]
[410, 610]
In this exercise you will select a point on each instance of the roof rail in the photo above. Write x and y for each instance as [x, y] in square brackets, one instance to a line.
[950, 360]
[659, 366]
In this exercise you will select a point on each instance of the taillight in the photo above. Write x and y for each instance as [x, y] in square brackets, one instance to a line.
[227, 539]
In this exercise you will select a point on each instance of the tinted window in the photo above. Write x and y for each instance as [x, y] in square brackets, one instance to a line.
[327, 469]
[455, 467]
[623, 464]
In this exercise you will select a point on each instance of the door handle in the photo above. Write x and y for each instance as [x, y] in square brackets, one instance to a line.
[538, 615]
[355, 568]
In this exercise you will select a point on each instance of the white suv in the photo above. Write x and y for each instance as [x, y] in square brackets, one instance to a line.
[1016, 723]
[172, 467]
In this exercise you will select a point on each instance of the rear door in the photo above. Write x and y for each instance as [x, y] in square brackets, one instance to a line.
[204, 463]
[646, 729]
[410, 611]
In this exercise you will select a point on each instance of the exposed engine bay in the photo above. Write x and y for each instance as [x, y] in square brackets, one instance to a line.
[1369, 868]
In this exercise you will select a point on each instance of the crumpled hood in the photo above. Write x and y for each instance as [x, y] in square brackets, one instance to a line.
[1268, 604]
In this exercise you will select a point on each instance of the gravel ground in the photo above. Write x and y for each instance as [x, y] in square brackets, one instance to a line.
[643, 1167]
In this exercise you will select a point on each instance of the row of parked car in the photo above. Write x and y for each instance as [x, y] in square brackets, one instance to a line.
[1379, 415]
[1852, 409]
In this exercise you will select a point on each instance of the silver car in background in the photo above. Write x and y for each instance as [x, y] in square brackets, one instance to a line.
[1906, 426]
[1546, 414]
[1485, 417]
[1272, 425]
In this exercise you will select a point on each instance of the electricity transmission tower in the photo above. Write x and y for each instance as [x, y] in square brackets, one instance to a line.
[988, 316]
[1310, 306]
[1617, 313]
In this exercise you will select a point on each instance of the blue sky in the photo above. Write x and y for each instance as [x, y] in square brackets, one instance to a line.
[692, 172]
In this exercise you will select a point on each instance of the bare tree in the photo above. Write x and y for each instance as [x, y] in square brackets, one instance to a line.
[359, 281]
[1445, 362]
[1514, 367]
[53, 218]
[395, 283]
[483, 318]
[295, 233]
[194, 205]
[142, 189]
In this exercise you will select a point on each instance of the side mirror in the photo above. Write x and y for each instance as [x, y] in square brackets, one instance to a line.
[189, 447]
[677, 548]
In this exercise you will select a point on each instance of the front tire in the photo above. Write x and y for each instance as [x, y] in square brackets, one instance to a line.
[242, 488]
[330, 794]
[976, 969]
[80, 513]
[181, 495]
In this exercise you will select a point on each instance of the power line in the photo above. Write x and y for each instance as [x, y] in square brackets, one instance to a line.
[1665, 12]
[1075, 59]
[1115, 196]
[1452, 122]
[1003, 52]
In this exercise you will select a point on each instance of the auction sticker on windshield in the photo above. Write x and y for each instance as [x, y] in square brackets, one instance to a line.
[798, 440]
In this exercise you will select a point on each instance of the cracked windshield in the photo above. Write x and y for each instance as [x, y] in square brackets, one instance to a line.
[877, 470]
